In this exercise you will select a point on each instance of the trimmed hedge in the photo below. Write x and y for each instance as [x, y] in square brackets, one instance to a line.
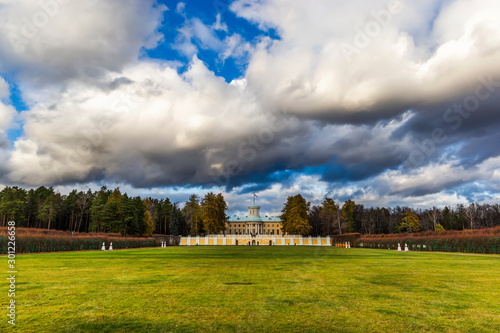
[465, 244]
[33, 244]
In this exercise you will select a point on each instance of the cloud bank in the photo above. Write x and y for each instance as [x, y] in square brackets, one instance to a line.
[386, 102]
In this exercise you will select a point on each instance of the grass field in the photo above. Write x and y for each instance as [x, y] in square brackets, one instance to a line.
[256, 289]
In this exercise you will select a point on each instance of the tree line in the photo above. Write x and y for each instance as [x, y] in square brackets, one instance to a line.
[112, 211]
[333, 218]
[330, 218]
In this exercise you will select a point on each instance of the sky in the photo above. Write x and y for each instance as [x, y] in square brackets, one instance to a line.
[383, 102]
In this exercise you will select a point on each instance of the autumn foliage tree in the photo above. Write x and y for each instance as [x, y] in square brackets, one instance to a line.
[410, 223]
[149, 223]
[213, 213]
[294, 216]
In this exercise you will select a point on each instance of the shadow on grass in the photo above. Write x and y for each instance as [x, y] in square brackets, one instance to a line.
[122, 324]
[127, 325]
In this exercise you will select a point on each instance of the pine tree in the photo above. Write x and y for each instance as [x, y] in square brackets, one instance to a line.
[12, 205]
[48, 208]
[115, 213]
[174, 221]
[97, 210]
[347, 216]
[330, 217]
[191, 212]
[70, 210]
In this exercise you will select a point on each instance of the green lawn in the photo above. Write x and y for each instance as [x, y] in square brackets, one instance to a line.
[256, 289]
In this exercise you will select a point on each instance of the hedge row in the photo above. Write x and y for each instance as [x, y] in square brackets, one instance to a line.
[488, 245]
[33, 244]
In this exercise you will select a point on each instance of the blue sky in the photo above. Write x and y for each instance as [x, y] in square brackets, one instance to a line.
[207, 12]
[383, 102]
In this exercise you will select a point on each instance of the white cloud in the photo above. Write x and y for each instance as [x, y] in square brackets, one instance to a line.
[431, 185]
[4, 89]
[219, 25]
[54, 40]
[308, 71]
[180, 8]
[147, 124]
[7, 114]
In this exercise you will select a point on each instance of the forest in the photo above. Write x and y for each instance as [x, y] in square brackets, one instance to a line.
[331, 218]
[112, 211]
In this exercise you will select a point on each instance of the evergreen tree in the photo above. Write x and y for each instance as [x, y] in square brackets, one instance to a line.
[330, 217]
[134, 214]
[31, 208]
[347, 216]
[12, 205]
[317, 227]
[97, 210]
[175, 221]
[163, 210]
[115, 213]
[191, 212]
[70, 210]
[83, 203]
[48, 207]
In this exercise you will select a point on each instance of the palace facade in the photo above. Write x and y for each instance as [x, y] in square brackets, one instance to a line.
[254, 229]
[253, 224]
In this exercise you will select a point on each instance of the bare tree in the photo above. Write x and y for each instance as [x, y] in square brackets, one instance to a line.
[470, 214]
[434, 214]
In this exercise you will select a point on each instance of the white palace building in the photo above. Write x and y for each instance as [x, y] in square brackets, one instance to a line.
[254, 230]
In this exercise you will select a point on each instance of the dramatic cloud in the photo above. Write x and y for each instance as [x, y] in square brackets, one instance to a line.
[385, 102]
[148, 125]
[364, 61]
[49, 40]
